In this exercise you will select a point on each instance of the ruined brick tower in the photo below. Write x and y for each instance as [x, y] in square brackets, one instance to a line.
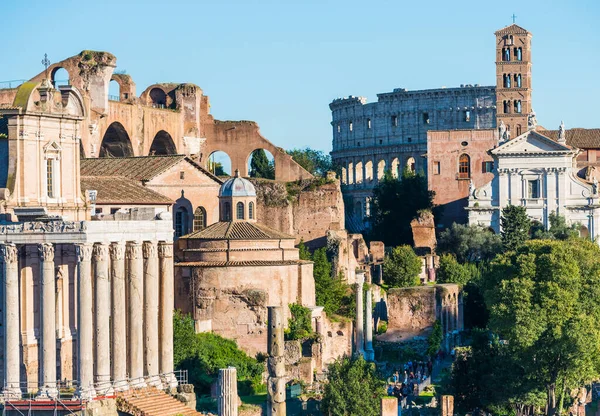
[513, 78]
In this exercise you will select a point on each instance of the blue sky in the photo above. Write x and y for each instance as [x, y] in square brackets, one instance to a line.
[281, 63]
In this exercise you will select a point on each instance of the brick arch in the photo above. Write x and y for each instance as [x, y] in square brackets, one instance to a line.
[163, 144]
[249, 159]
[116, 142]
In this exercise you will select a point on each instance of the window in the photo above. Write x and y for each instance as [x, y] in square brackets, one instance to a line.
[181, 222]
[251, 211]
[506, 107]
[518, 54]
[506, 54]
[240, 210]
[114, 210]
[226, 212]
[510, 39]
[518, 106]
[369, 123]
[426, 118]
[533, 189]
[464, 144]
[350, 126]
[409, 139]
[98, 210]
[519, 129]
[199, 219]
[182, 175]
[506, 78]
[518, 80]
[358, 144]
[380, 141]
[339, 128]
[467, 115]
[464, 166]
[394, 121]
[487, 167]
[436, 168]
[50, 178]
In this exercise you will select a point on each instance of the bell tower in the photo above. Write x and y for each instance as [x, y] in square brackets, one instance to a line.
[513, 79]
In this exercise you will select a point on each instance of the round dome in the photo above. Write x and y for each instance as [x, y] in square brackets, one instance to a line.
[237, 186]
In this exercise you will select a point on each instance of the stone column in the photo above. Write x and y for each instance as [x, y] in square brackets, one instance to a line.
[47, 384]
[389, 406]
[447, 405]
[228, 397]
[276, 363]
[151, 289]
[165, 313]
[10, 272]
[135, 281]
[102, 319]
[118, 313]
[369, 352]
[359, 330]
[85, 323]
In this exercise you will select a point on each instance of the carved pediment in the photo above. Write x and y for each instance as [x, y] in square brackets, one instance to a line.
[531, 142]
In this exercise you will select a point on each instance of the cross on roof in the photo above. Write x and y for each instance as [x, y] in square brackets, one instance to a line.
[514, 17]
[46, 63]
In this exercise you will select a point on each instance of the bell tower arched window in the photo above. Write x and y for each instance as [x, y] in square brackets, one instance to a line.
[464, 166]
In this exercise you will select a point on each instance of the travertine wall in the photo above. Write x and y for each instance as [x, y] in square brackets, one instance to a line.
[337, 339]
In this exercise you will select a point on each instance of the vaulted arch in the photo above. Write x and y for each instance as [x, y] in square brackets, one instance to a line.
[163, 144]
[116, 142]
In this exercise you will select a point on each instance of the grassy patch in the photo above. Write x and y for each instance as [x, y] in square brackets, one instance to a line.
[255, 399]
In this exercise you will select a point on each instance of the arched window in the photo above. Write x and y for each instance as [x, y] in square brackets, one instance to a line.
[518, 80]
[411, 164]
[350, 126]
[519, 129]
[251, 211]
[199, 219]
[240, 210]
[464, 167]
[226, 212]
[518, 106]
[181, 222]
[506, 80]
[506, 107]
[518, 54]
[506, 54]
[52, 156]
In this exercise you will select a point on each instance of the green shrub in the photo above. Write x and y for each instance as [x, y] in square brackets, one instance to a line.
[299, 325]
[401, 267]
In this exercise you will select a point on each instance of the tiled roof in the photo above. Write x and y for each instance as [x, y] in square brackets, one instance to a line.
[142, 168]
[516, 29]
[237, 230]
[580, 138]
[120, 190]
[241, 263]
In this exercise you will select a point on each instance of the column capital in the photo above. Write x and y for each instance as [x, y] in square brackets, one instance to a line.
[8, 253]
[165, 249]
[149, 249]
[100, 252]
[117, 251]
[83, 251]
[133, 250]
[46, 251]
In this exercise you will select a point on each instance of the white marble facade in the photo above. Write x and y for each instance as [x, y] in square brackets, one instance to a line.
[540, 174]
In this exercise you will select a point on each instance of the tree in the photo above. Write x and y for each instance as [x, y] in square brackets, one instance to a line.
[260, 167]
[543, 301]
[303, 251]
[434, 342]
[451, 271]
[401, 268]
[469, 243]
[316, 162]
[353, 388]
[515, 226]
[395, 203]
[559, 230]
[330, 290]
[299, 325]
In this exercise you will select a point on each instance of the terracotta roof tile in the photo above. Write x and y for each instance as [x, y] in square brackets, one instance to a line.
[142, 168]
[237, 230]
[241, 263]
[120, 190]
[580, 138]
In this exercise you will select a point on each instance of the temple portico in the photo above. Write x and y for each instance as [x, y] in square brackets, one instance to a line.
[90, 301]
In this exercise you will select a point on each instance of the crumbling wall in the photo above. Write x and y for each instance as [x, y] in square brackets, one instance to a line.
[336, 339]
[411, 312]
[423, 230]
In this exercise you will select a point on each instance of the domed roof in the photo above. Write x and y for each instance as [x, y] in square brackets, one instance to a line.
[237, 186]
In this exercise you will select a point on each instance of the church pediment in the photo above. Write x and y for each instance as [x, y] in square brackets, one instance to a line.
[531, 142]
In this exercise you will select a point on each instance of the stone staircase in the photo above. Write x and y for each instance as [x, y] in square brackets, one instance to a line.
[151, 401]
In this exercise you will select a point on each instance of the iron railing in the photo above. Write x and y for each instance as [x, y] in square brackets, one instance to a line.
[11, 84]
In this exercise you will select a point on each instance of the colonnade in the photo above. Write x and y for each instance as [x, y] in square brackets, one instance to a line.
[370, 170]
[124, 306]
[451, 318]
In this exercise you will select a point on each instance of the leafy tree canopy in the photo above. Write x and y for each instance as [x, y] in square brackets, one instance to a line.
[299, 325]
[543, 300]
[395, 203]
[260, 167]
[515, 226]
[451, 271]
[559, 230]
[469, 243]
[354, 388]
[316, 162]
[401, 268]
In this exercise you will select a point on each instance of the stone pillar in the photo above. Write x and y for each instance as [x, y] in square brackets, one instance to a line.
[369, 352]
[118, 312]
[47, 384]
[135, 335]
[276, 363]
[165, 313]
[228, 397]
[102, 319]
[389, 406]
[151, 289]
[85, 323]
[359, 330]
[447, 405]
[10, 272]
